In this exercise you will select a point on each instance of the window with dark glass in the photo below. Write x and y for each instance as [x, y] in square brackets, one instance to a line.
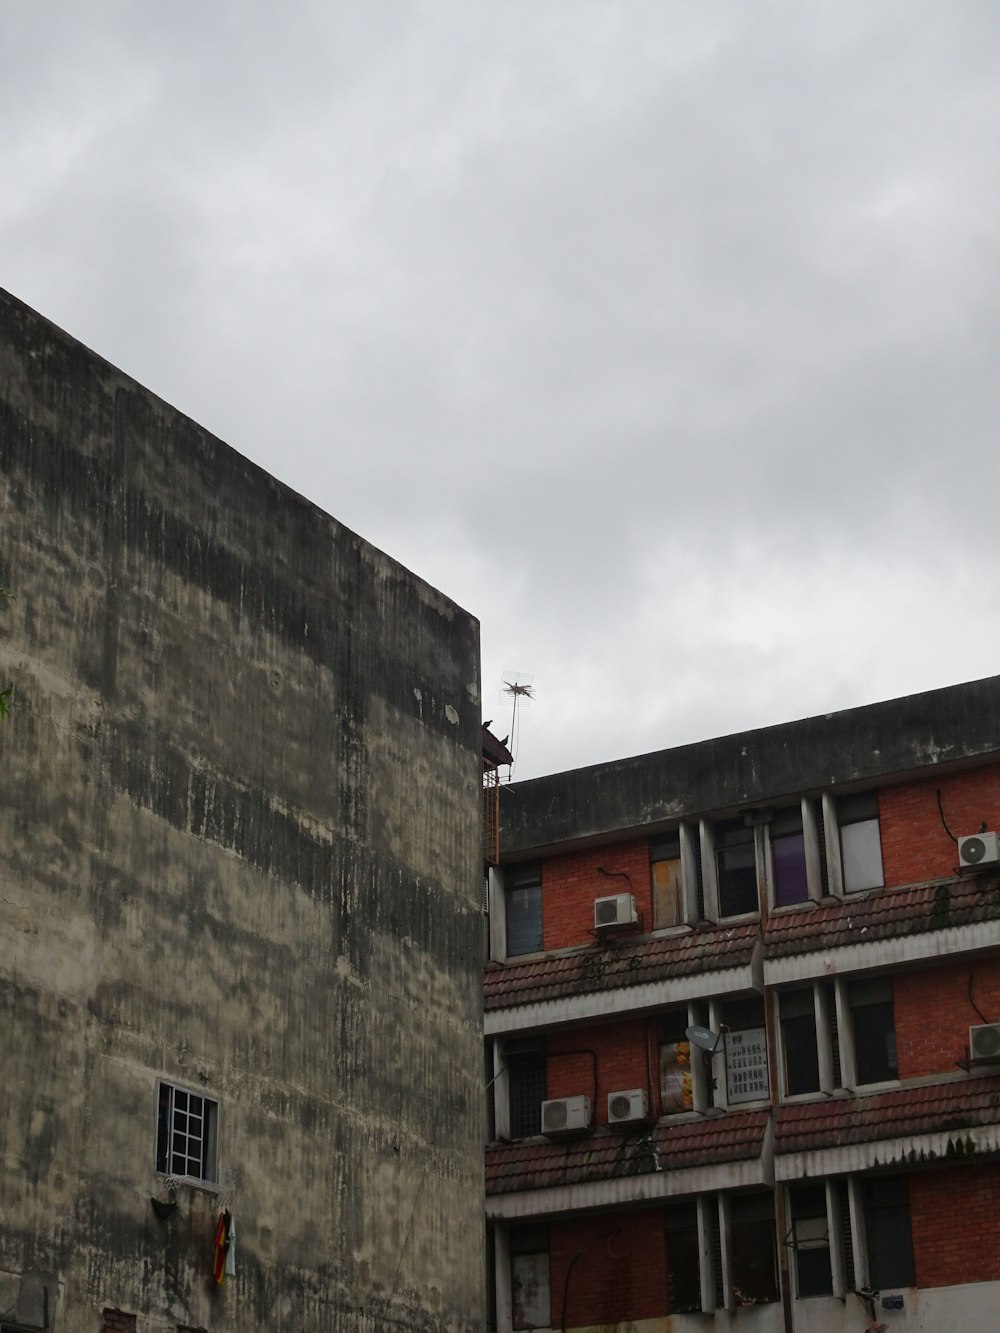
[523, 892]
[529, 1277]
[736, 868]
[788, 858]
[860, 843]
[665, 869]
[800, 1049]
[811, 1241]
[186, 1133]
[527, 1087]
[755, 1252]
[887, 1228]
[874, 1030]
[683, 1259]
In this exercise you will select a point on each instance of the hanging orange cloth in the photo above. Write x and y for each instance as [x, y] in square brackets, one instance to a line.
[221, 1247]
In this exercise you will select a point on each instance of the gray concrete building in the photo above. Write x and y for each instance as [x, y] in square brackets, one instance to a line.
[240, 894]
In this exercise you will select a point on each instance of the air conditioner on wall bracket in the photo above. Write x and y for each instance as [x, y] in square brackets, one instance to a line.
[628, 1107]
[979, 849]
[984, 1043]
[565, 1115]
[618, 910]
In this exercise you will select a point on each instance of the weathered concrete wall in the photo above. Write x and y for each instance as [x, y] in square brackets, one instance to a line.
[918, 733]
[239, 849]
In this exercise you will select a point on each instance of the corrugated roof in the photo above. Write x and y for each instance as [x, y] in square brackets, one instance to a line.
[613, 1154]
[931, 1108]
[605, 967]
[884, 914]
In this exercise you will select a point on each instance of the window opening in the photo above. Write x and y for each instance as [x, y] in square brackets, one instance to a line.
[800, 1047]
[887, 1226]
[860, 844]
[736, 867]
[788, 858]
[668, 881]
[746, 1051]
[527, 1083]
[523, 892]
[874, 1030]
[186, 1133]
[811, 1241]
[683, 1259]
[676, 1086]
[529, 1277]
[755, 1253]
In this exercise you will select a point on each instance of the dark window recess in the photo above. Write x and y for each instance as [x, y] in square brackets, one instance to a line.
[523, 892]
[788, 856]
[668, 881]
[736, 867]
[874, 1031]
[527, 1083]
[529, 1277]
[717, 1273]
[798, 1040]
[699, 872]
[831, 1011]
[755, 1253]
[842, 1210]
[811, 1241]
[887, 1224]
[683, 1259]
[186, 1133]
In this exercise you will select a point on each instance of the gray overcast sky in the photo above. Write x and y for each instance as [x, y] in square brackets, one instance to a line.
[661, 336]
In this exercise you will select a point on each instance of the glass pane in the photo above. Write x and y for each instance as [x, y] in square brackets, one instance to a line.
[790, 882]
[801, 1053]
[737, 869]
[526, 1076]
[667, 881]
[683, 1259]
[887, 1222]
[524, 920]
[862, 853]
[875, 1043]
[676, 1092]
[530, 1290]
[755, 1274]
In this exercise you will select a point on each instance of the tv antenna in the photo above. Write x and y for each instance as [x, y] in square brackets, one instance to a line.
[518, 687]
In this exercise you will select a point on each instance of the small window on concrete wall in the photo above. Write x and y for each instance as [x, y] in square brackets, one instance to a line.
[800, 1047]
[523, 892]
[187, 1129]
[860, 843]
[529, 1277]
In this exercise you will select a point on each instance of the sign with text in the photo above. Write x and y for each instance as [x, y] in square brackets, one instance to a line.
[746, 1066]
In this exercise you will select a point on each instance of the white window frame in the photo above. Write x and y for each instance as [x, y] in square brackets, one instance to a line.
[209, 1138]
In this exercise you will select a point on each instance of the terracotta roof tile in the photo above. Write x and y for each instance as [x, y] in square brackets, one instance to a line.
[884, 913]
[902, 1112]
[611, 1154]
[606, 967]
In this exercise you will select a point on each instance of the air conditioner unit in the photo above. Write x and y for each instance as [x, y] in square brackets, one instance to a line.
[984, 1043]
[565, 1115]
[619, 910]
[979, 849]
[628, 1107]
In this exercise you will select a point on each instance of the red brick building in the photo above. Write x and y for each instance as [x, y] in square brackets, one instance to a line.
[743, 1031]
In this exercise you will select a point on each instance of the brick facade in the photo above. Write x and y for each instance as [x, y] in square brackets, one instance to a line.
[608, 1269]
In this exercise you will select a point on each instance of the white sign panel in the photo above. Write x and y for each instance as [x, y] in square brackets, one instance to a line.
[746, 1066]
